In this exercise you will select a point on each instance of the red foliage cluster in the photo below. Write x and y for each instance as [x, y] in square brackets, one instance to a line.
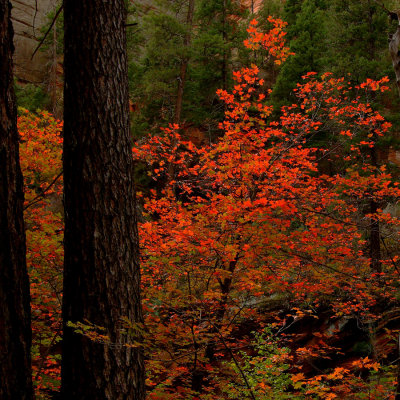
[255, 219]
[40, 153]
[250, 219]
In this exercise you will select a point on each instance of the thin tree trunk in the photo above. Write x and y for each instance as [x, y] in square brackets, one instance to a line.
[53, 74]
[101, 277]
[394, 41]
[371, 29]
[220, 311]
[182, 76]
[225, 57]
[184, 63]
[375, 234]
[15, 320]
[375, 240]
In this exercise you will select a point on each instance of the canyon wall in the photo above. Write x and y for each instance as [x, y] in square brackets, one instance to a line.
[28, 18]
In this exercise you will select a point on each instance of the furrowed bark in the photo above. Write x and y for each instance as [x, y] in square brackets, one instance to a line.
[15, 319]
[101, 278]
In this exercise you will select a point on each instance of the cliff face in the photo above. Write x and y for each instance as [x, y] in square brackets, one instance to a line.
[252, 5]
[28, 17]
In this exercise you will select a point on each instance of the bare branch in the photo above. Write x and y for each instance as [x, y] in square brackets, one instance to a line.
[48, 30]
[41, 195]
[234, 360]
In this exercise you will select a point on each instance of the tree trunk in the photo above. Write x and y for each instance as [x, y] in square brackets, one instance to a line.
[394, 41]
[397, 394]
[101, 277]
[15, 320]
[184, 63]
[375, 231]
[53, 79]
[375, 240]
[224, 55]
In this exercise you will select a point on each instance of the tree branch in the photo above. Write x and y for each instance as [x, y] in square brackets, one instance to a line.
[392, 14]
[48, 30]
[39, 196]
[234, 359]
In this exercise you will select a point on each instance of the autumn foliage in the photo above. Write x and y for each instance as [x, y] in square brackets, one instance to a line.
[243, 240]
[41, 165]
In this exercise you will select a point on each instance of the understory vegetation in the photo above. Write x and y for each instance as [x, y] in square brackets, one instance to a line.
[267, 206]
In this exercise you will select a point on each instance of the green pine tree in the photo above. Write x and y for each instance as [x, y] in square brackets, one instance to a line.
[357, 33]
[154, 66]
[309, 45]
[215, 48]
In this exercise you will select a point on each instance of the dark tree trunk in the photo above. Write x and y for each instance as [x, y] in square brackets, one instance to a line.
[15, 320]
[397, 394]
[101, 278]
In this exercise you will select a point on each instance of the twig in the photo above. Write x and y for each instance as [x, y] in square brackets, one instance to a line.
[311, 261]
[48, 30]
[390, 13]
[390, 255]
[46, 354]
[39, 196]
[234, 360]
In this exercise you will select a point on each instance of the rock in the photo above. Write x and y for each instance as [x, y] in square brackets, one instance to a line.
[28, 17]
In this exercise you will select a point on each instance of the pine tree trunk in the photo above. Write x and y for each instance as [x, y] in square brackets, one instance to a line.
[184, 63]
[15, 323]
[101, 277]
[224, 55]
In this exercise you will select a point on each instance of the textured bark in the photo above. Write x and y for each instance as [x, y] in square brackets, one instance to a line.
[15, 329]
[101, 278]
[397, 394]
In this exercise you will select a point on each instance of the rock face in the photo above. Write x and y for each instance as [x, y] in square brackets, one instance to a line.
[252, 5]
[28, 17]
